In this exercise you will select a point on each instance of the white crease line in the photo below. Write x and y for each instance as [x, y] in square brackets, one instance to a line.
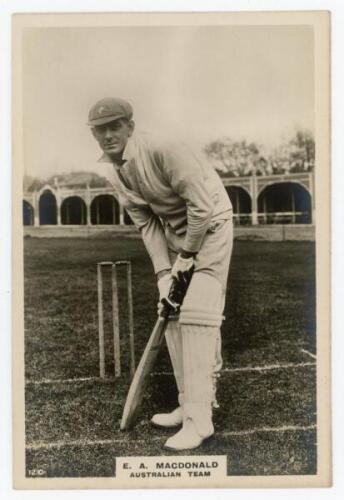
[309, 353]
[263, 368]
[40, 445]
[75, 380]
[284, 428]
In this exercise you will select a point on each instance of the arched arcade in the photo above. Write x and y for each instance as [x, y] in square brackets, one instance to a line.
[241, 203]
[285, 203]
[275, 199]
[28, 214]
[47, 208]
[104, 210]
[73, 211]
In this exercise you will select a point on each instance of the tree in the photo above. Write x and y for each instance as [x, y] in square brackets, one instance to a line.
[77, 179]
[67, 180]
[302, 152]
[32, 183]
[279, 159]
[295, 155]
[235, 158]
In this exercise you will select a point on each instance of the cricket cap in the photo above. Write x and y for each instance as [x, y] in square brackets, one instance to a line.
[109, 109]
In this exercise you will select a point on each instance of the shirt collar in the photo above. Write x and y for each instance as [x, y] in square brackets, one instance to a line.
[128, 153]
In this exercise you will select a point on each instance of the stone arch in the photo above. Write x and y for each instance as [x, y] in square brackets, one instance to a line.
[285, 203]
[47, 208]
[73, 211]
[28, 214]
[241, 202]
[104, 210]
[263, 185]
[240, 199]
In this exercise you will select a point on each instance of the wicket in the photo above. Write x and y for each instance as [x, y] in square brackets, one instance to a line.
[115, 316]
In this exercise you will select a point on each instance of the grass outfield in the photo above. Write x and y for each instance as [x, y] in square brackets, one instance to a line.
[266, 420]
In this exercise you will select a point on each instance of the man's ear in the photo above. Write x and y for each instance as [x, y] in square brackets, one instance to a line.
[131, 127]
[93, 132]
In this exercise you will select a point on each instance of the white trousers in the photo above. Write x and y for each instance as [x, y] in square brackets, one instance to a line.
[195, 343]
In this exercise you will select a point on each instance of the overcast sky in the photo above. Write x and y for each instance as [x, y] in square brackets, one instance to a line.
[199, 83]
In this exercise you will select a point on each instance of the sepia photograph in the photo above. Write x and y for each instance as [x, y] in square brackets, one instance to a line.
[171, 221]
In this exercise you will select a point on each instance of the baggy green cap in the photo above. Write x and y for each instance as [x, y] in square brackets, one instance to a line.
[109, 109]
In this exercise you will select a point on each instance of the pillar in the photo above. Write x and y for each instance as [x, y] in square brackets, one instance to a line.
[88, 213]
[88, 205]
[58, 204]
[58, 208]
[35, 209]
[254, 196]
[121, 215]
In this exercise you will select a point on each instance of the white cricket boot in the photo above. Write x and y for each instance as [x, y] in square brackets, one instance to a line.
[193, 432]
[175, 349]
[172, 419]
[200, 345]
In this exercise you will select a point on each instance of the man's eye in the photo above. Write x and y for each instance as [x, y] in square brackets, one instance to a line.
[99, 129]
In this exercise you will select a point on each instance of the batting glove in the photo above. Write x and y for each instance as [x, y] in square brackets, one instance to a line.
[181, 266]
[164, 285]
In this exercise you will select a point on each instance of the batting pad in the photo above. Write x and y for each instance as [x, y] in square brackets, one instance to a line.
[204, 301]
[200, 344]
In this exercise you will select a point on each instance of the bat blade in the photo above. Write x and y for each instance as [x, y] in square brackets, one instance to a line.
[140, 379]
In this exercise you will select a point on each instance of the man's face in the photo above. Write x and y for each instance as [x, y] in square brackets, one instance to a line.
[113, 136]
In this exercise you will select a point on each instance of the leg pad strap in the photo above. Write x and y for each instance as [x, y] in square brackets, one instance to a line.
[194, 316]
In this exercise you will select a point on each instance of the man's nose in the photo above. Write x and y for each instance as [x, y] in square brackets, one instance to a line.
[108, 133]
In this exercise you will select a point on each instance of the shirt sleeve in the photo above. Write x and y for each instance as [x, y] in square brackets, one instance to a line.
[153, 236]
[188, 178]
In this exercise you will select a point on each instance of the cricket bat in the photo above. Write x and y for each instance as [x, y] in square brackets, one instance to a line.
[145, 366]
[140, 379]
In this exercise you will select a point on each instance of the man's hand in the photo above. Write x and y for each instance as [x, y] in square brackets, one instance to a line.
[172, 304]
[181, 266]
[175, 283]
[164, 286]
